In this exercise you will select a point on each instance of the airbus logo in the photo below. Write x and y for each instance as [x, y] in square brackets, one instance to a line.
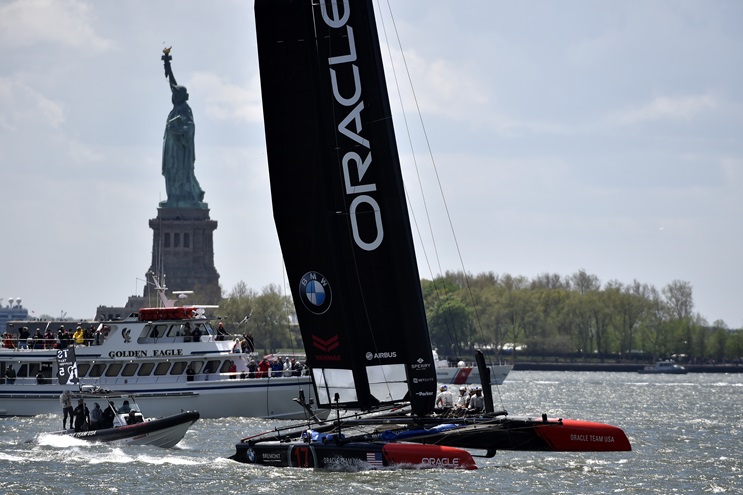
[380, 355]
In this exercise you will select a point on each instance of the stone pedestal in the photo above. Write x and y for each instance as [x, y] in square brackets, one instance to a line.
[183, 250]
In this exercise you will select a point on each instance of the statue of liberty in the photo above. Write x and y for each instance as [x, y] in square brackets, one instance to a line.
[179, 155]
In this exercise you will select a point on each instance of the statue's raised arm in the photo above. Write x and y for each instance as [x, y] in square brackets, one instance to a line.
[179, 155]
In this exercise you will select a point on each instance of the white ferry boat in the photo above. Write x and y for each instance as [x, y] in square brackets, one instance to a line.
[467, 373]
[149, 354]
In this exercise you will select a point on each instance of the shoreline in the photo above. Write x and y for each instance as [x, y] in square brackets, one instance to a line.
[620, 367]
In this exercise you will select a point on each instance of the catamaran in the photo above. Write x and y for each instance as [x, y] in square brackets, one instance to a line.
[342, 220]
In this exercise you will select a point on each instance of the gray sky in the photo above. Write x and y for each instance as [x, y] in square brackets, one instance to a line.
[602, 136]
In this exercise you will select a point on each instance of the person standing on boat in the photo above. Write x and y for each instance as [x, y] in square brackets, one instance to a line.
[107, 418]
[79, 336]
[96, 417]
[179, 154]
[48, 339]
[23, 336]
[66, 401]
[190, 372]
[82, 416]
[221, 332]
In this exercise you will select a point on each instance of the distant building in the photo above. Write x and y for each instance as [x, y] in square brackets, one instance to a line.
[14, 310]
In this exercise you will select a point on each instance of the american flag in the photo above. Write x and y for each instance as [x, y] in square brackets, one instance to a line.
[374, 459]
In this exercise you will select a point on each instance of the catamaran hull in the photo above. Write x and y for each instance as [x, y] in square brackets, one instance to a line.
[164, 432]
[365, 455]
[528, 434]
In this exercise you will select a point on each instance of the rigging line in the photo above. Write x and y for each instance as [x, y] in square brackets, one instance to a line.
[449, 319]
[438, 181]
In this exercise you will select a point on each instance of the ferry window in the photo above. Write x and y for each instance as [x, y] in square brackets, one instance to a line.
[145, 369]
[166, 241]
[82, 369]
[130, 369]
[159, 331]
[178, 368]
[196, 365]
[211, 366]
[96, 370]
[176, 240]
[162, 368]
[225, 366]
[186, 241]
[22, 371]
[33, 369]
[114, 369]
[175, 330]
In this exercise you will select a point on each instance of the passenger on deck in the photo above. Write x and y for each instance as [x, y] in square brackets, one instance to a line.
[252, 369]
[196, 334]
[263, 368]
[249, 343]
[10, 375]
[48, 339]
[477, 401]
[232, 369]
[277, 367]
[445, 400]
[190, 372]
[79, 336]
[187, 333]
[221, 332]
[23, 335]
[463, 399]
[38, 339]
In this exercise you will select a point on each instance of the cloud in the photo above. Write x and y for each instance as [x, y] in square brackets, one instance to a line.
[228, 101]
[667, 108]
[440, 87]
[57, 22]
[24, 107]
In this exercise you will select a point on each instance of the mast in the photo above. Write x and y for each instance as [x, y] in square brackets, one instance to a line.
[339, 203]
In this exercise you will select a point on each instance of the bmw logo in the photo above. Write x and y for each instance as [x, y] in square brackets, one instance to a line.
[251, 455]
[315, 292]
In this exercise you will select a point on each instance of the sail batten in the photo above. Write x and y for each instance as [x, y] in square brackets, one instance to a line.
[339, 203]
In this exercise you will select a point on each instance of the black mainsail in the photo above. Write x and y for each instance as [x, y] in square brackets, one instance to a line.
[339, 204]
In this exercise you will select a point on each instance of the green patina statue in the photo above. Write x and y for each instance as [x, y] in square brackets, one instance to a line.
[179, 155]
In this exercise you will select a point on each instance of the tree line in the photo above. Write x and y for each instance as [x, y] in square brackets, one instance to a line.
[549, 315]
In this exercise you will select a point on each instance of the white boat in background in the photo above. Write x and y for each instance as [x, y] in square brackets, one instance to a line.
[467, 374]
[667, 367]
[148, 354]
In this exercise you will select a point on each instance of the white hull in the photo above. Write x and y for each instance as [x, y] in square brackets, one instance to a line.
[256, 397]
[131, 360]
[468, 375]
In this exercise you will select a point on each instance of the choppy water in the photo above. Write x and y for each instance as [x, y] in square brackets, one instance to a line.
[686, 432]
